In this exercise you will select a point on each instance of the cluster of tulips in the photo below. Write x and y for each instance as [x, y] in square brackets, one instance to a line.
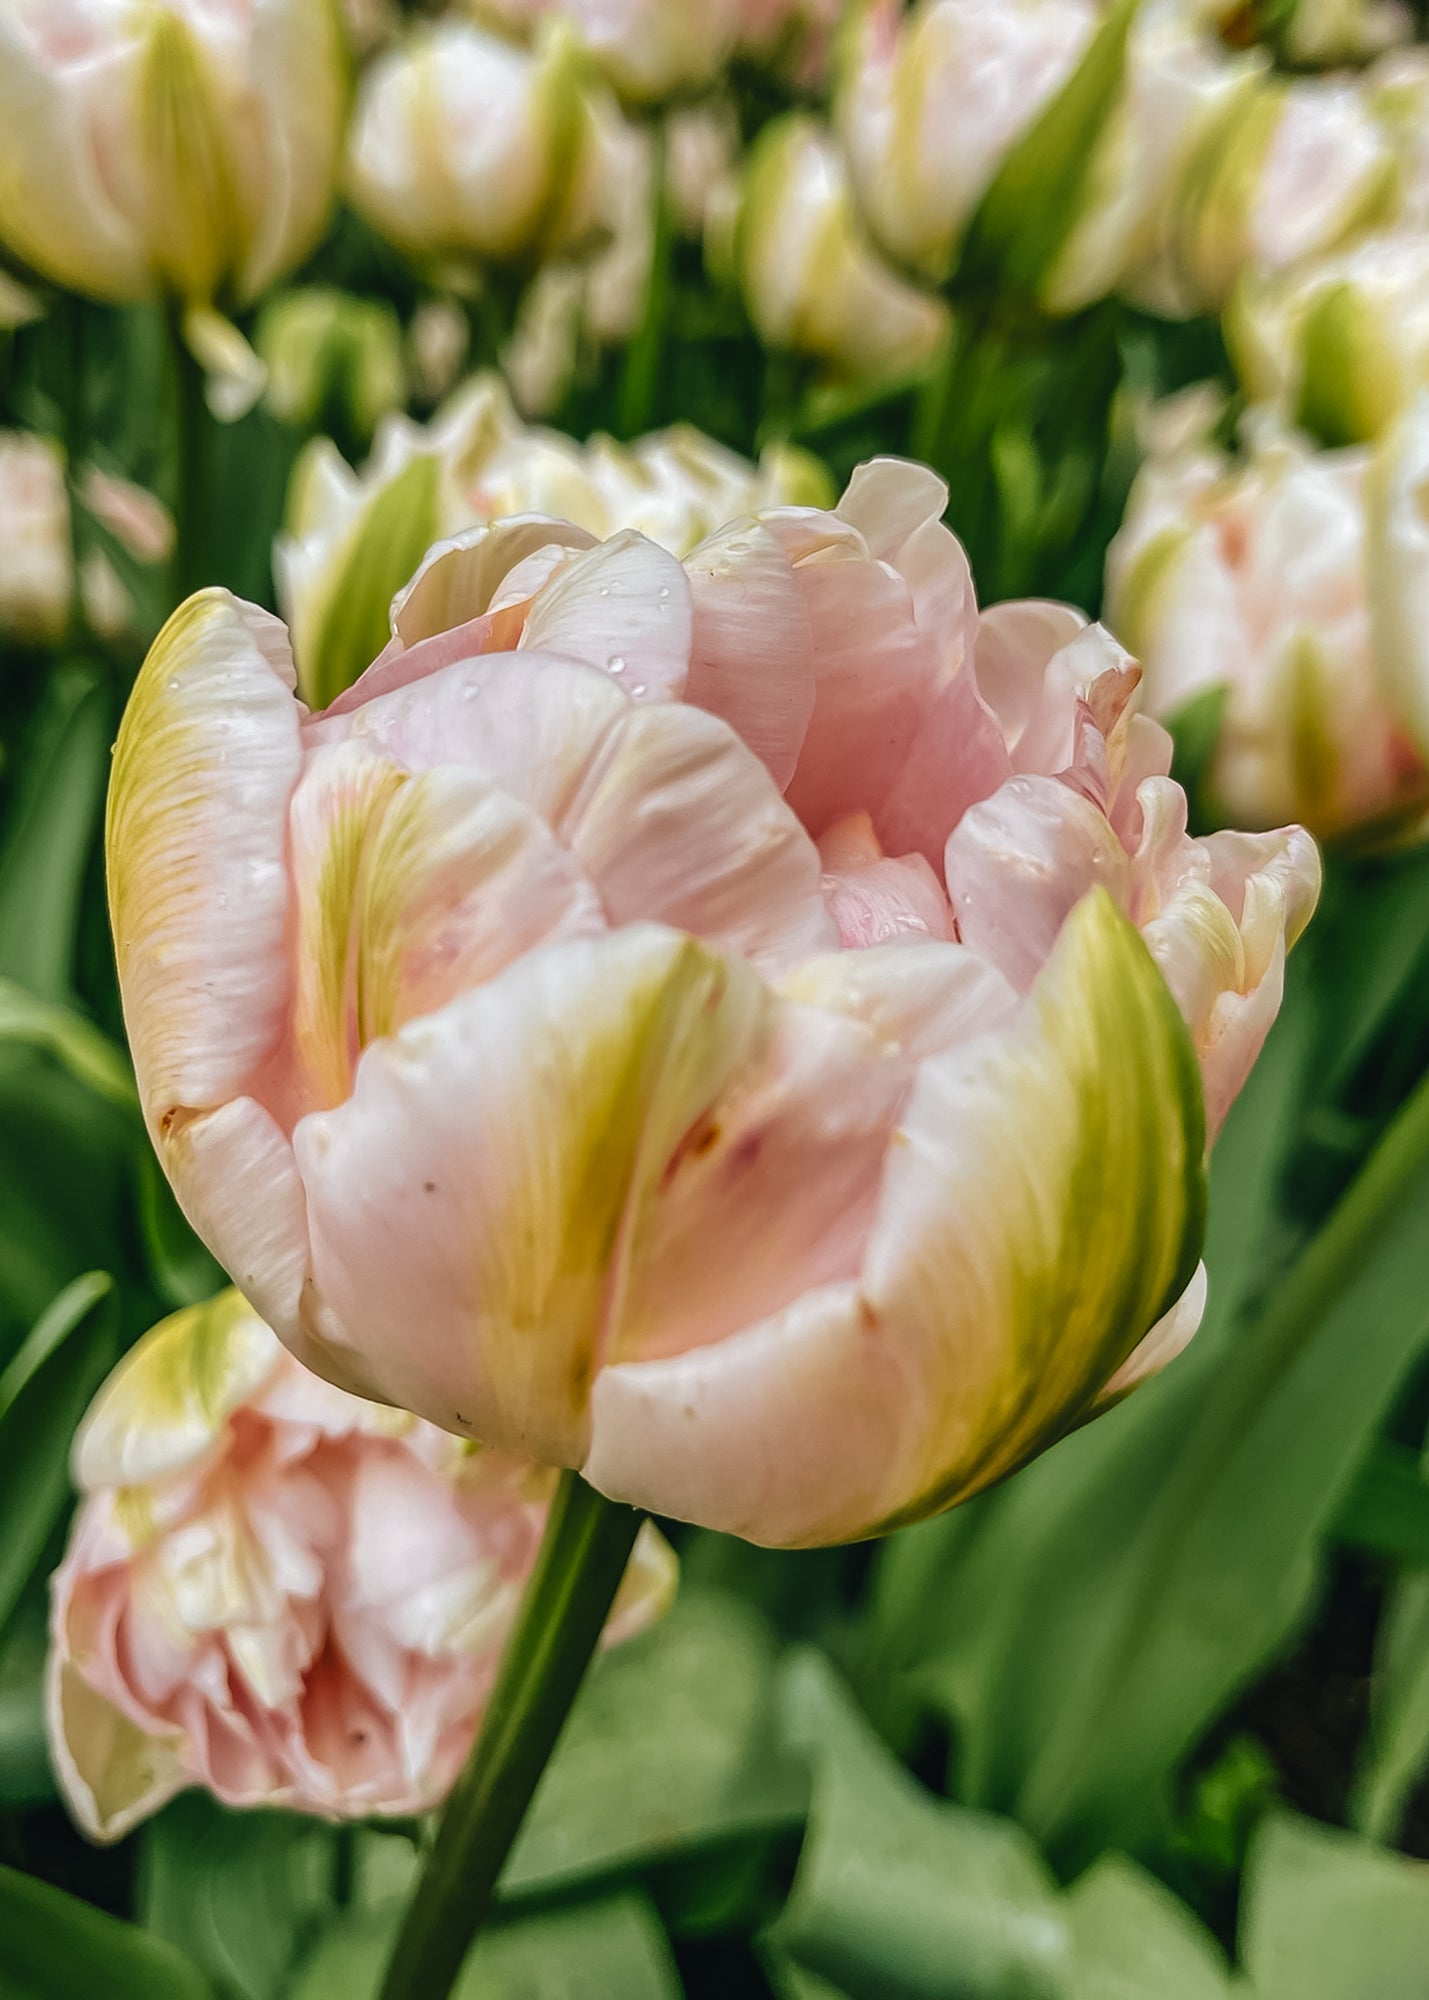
[638, 976]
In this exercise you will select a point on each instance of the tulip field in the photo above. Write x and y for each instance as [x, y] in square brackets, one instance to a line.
[714, 1000]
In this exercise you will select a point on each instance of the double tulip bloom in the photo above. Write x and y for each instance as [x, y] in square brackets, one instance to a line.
[174, 148]
[279, 1592]
[743, 1027]
[1288, 588]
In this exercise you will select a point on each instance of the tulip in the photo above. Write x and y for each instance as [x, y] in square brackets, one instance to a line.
[811, 279]
[1177, 90]
[354, 539]
[175, 149]
[933, 102]
[1342, 344]
[648, 49]
[279, 1592]
[1254, 583]
[1289, 173]
[324, 348]
[744, 1028]
[466, 146]
[36, 559]
[1334, 31]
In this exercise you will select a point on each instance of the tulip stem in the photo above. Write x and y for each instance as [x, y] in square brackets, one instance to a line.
[76, 446]
[640, 376]
[587, 1543]
[191, 480]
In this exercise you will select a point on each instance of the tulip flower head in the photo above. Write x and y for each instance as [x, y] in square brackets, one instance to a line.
[36, 557]
[811, 278]
[176, 148]
[279, 1592]
[1260, 579]
[648, 49]
[466, 146]
[743, 1027]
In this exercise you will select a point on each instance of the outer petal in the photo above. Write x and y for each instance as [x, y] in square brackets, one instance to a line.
[300, 72]
[752, 662]
[921, 997]
[206, 759]
[1170, 1336]
[167, 1402]
[237, 1183]
[470, 1203]
[625, 608]
[1042, 1202]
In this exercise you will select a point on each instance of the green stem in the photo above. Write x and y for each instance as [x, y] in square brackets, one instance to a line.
[192, 432]
[587, 1542]
[640, 376]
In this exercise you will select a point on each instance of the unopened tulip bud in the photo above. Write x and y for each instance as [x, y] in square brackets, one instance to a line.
[279, 1592]
[1250, 585]
[174, 148]
[745, 1027]
[1288, 173]
[1336, 31]
[464, 145]
[1341, 344]
[812, 279]
[933, 102]
[326, 351]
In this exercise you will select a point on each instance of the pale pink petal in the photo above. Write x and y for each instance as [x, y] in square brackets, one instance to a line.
[752, 660]
[1015, 641]
[623, 607]
[919, 997]
[1018, 862]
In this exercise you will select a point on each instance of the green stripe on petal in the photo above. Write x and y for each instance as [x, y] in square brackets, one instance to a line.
[170, 1397]
[1044, 1205]
[345, 633]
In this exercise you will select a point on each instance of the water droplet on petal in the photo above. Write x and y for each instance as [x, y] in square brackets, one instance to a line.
[616, 663]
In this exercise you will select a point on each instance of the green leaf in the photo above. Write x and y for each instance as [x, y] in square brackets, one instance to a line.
[1195, 731]
[46, 844]
[76, 1044]
[1397, 1752]
[1036, 196]
[1326, 1916]
[609, 1949]
[669, 1749]
[1092, 1617]
[1387, 1509]
[25, 1775]
[1133, 1940]
[899, 1896]
[183, 1270]
[352, 627]
[54, 1947]
[43, 1395]
[238, 1892]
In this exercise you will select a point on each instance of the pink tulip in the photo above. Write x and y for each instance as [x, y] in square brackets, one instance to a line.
[279, 1592]
[688, 1020]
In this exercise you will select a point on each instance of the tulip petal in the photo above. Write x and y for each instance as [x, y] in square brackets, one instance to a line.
[1045, 1206]
[1170, 1336]
[1018, 862]
[624, 606]
[235, 1177]
[771, 1193]
[206, 760]
[752, 660]
[679, 823]
[469, 1202]
[460, 578]
[920, 997]
[167, 1402]
[113, 1773]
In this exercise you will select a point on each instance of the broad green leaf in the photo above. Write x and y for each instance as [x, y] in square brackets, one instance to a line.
[25, 1775]
[1133, 1940]
[898, 1895]
[240, 1893]
[669, 1748]
[43, 1394]
[612, 1948]
[1326, 1916]
[88, 1055]
[55, 1947]
[1387, 1508]
[184, 1271]
[1093, 1616]
[46, 843]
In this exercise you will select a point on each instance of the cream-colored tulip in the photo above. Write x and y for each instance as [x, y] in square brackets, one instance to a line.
[353, 539]
[168, 148]
[464, 145]
[36, 559]
[812, 279]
